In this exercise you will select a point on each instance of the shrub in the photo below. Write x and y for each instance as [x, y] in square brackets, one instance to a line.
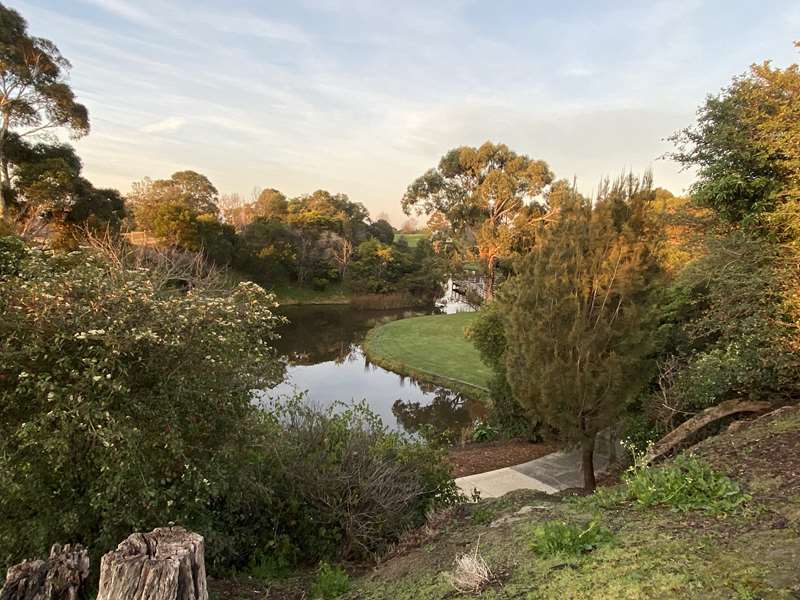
[505, 413]
[558, 538]
[685, 484]
[125, 399]
[346, 487]
[728, 330]
[331, 582]
[483, 431]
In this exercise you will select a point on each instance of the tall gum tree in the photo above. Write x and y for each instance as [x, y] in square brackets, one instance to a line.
[34, 94]
[481, 192]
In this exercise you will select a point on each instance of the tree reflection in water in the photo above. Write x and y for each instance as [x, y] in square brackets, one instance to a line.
[448, 412]
[322, 348]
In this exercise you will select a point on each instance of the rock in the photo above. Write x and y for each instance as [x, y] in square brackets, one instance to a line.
[166, 564]
[517, 516]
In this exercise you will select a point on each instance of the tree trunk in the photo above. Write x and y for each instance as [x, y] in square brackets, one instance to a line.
[587, 464]
[680, 434]
[5, 184]
[488, 292]
[165, 564]
[61, 577]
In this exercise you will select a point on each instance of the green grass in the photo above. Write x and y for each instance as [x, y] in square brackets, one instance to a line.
[431, 348]
[411, 238]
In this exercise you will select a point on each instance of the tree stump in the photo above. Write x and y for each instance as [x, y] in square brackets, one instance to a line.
[61, 577]
[165, 564]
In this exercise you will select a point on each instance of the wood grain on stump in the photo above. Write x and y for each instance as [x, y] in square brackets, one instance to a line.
[165, 564]
[61, 577]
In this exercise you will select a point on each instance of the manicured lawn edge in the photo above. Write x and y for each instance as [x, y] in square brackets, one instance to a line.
[375, 355]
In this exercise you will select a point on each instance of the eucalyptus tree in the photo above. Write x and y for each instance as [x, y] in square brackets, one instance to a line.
[34, 94]
[481, 192]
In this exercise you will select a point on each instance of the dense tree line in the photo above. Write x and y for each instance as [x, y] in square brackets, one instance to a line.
[314, 240]
[639, 309]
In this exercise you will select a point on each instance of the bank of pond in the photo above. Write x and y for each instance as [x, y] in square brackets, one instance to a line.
[422, 375]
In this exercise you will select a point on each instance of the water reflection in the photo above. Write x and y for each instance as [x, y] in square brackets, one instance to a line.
[322, 345]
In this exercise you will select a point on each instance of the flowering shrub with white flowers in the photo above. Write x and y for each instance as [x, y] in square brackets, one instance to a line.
[125, 401]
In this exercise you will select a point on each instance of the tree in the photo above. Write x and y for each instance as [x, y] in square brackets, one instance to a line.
[170, 208]
[382, 231]
[746, 147]
[480, 191]
[576, 335]
[270, 204]
[34, 93]
[49, 192]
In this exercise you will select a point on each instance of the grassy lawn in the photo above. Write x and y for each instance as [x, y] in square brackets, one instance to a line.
[412, 238]
[432, 348]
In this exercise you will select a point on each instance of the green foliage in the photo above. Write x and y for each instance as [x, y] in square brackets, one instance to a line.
[182, 211]
[382, 231]
[481, 514]
[745, 148]
[577, 337]
[685, 484]
[482, 193]
[124, 403]
[36, 95]
[343, 485]
[483, 432]
[727, 329]
[506, 415]
[331, 582]
[48, 189]
[559, 538]
[380, 268]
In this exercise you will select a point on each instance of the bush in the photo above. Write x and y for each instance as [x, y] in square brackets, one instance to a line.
[344, 486]
[331, 582]
[729, 330]
[558, 538]
[483, 431]
[686, 484]
[505, 414]
[125, 400]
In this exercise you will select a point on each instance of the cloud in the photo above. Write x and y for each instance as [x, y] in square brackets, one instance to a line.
[124, 9]
[164, 125]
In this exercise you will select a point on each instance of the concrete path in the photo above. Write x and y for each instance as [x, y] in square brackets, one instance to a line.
[551, 473]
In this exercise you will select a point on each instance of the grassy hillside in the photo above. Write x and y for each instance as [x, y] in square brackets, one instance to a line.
[432, 348]
[656, 552]
[741, 540]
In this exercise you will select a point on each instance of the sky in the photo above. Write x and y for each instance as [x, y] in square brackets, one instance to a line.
[361, 97]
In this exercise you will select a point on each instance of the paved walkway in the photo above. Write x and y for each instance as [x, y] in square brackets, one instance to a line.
[551, 473]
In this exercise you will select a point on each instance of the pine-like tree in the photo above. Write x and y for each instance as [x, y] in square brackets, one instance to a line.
[577, 339]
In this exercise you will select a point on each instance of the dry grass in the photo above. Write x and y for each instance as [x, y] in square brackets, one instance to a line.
[471, 573]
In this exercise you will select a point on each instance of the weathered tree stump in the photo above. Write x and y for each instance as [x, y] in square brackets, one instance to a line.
[165, 564]
[61, 577]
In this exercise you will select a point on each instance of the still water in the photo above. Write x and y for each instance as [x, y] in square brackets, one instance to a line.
[322, 346]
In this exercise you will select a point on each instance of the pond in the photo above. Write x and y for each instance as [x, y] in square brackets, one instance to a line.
[322, 346]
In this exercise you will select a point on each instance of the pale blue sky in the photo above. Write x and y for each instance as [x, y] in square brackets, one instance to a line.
[362, 97]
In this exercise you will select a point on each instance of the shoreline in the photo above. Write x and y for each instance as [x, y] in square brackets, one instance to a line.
[377, 357]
